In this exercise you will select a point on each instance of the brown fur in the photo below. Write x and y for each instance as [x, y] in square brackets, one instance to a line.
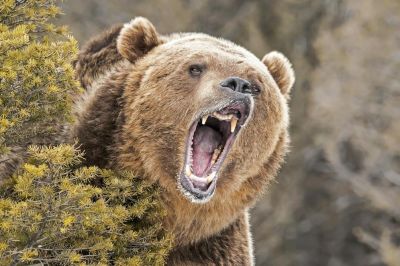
[277, 64]
[98, 56]
[136, 114]
[10, 162]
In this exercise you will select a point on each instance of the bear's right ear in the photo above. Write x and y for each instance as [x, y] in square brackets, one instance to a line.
[137, 38]
[281, 71]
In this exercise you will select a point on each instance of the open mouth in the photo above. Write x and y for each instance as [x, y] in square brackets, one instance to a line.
[209, 141]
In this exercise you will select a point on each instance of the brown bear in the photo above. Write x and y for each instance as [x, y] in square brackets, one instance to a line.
[201, 116]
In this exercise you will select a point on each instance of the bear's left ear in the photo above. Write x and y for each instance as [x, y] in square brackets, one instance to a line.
[137, 38]
[281, 70]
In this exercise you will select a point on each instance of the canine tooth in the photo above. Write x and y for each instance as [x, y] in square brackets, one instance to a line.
[204, 119]
[234, 121]
[211, 177]
[193, 177]
[187, 170]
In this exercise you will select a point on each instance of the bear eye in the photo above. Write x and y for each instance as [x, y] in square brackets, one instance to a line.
[195, 70]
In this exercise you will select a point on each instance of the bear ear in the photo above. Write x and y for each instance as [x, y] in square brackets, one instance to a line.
[137, 38]
[281, 70]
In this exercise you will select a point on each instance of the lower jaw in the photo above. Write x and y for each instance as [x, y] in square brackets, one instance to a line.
[197, 195]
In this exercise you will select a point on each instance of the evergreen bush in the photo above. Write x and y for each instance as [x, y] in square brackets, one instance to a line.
[53, 210]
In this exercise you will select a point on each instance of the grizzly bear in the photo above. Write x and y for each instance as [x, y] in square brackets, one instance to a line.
[201, 116]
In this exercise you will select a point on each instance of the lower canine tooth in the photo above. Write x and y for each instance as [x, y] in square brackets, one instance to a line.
[234, 121]
[211, 177]
[187, 170]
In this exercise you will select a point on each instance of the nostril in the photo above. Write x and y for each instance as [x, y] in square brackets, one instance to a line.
[236, 84]
[229, 83]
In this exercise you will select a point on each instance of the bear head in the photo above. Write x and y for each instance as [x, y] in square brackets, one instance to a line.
[208, 112]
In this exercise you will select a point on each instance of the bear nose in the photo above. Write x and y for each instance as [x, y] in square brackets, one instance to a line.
[236, 84]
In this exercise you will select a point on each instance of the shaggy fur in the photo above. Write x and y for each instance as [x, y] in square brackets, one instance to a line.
[10, 162]
[137, 111]
[278, 64]
[100, 55]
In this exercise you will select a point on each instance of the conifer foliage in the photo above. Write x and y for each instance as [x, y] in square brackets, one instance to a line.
[55, 215]
[36, 77]
[53, 210]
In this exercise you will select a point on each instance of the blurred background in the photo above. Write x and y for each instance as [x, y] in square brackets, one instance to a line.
[337, 199]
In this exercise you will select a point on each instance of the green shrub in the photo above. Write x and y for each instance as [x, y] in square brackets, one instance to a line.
[53, 210]
[36, 77]
[57, 215]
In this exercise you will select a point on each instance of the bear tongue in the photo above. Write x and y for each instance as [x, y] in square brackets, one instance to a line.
[205, 141]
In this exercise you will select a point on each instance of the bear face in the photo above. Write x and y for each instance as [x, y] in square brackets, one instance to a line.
[219, 111]
[201, 116]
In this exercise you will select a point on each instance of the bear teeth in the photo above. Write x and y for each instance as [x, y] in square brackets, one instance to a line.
[234, 121]
[187, 170]
[219, 116]
[216, 154]
[222, 117]
[207, 180]
[211, 177]
[204, 119]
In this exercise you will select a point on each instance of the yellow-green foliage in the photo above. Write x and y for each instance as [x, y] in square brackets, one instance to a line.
[36, 76]
[59, 213]
[53, 210]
